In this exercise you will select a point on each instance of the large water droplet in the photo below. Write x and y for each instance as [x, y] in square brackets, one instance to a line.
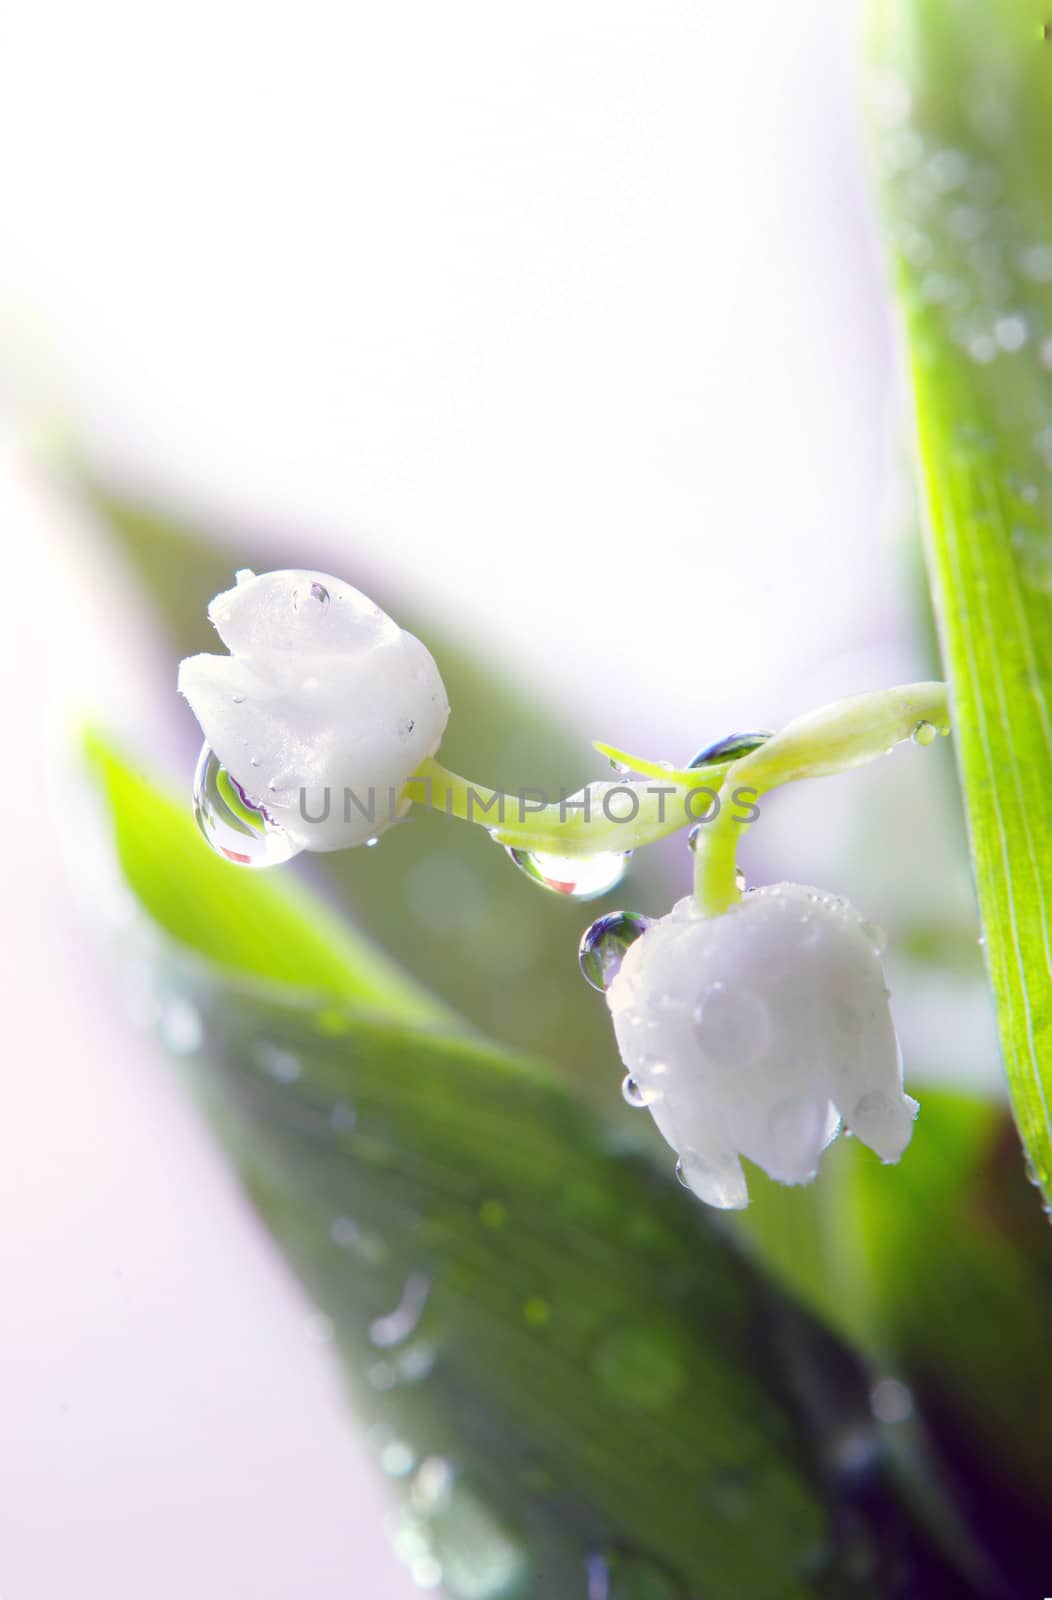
[582, 877]
[319, 594]
[603, 945]
[925, 733]
[237, 828]
[632, 1094]
[730, 748]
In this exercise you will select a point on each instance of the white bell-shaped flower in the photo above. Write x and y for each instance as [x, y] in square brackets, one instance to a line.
[756, 1032]
[323, 708]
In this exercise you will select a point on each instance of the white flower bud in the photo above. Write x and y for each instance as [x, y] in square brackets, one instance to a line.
[321, 696]
[755, 1032]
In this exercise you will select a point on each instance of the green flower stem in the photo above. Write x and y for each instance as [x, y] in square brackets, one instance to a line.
[623, 816]
[832, 739]
[634, 814]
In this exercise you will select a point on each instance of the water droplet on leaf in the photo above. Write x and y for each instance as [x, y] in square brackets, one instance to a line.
[394, 1328]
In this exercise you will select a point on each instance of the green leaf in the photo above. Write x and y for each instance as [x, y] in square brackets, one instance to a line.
[573, 1376]
[963, 97]
[941, 1271]
[951, 1289]
[436, 894]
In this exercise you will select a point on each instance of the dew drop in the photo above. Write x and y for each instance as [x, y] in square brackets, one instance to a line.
[924, 733]
[681, 1175]
[730, 748]
[891, 1401]
[604, 944]
[370, 844]
[281, 1065]
[236, 827]
[396, 1326]
[319, 593]
[632, 1094]
[581, 877]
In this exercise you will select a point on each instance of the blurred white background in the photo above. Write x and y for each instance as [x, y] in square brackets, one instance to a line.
[571, 315]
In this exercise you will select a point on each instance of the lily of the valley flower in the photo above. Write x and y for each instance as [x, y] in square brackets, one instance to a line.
[322, 696]
[757, 1032]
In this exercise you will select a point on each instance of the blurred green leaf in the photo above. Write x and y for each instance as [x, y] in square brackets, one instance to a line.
[579, 1385]
[952, 1287]
[963, 104]
[437, 895]
[940, 1269]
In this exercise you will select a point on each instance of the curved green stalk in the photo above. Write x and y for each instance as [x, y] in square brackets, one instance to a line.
[833, 739]
[624, 815]
[603, 816]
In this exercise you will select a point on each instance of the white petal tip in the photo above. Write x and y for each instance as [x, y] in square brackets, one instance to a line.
[884, 1122]
[719, 1183]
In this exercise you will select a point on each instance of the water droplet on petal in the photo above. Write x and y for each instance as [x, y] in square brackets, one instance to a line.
[632, 1094]
[582, 877]
[924, 733]
[319, 594]
[603, 945]
[237, 827]
[730, 748]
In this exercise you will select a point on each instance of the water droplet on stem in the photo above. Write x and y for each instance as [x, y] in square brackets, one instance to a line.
[581, 877]
[730, 748]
